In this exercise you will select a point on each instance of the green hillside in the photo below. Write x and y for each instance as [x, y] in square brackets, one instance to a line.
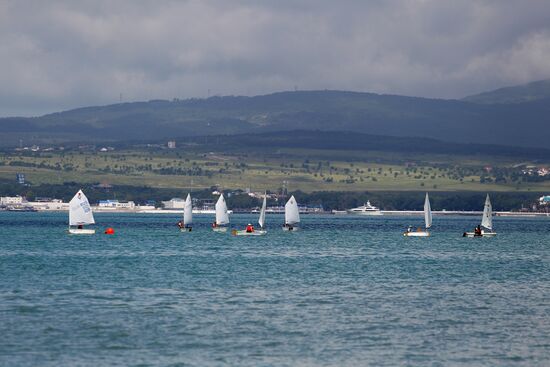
[318, 161]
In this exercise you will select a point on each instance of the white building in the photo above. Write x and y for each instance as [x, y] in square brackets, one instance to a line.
[49, 204]
[174, 203]
[115, 204]
[172, 144]
[104, 204]
[128, 205]
[11, 200]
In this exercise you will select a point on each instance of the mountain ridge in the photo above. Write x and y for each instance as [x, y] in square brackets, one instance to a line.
[457, 121]
[528, 92]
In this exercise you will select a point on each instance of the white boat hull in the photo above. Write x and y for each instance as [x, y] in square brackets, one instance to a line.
[245, 233]
[483, 234]
[417, 234]
[81, 231]
[288, 229]
[219, 229]
[365, 213]
[186, 229]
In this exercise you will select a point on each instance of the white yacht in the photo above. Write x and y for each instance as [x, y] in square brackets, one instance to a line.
[365, 209]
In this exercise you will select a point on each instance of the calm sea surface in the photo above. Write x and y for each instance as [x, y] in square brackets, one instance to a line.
[343, 291]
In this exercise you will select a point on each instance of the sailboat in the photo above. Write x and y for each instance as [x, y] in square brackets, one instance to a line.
[427, 220]
[486, 227]
[261, 222]
[187, 223]
[80, 214]
[222, 217]
[292, 215]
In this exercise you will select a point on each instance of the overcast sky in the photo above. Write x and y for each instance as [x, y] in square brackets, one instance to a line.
[57, 55]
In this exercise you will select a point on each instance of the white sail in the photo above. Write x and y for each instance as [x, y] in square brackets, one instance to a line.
[292, 215]
[487, 220]
[188, 211]
[261, 220]
[80, 212]
[427, 212]
[221, 212]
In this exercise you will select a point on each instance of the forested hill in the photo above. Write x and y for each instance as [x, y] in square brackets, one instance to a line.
[517, 124]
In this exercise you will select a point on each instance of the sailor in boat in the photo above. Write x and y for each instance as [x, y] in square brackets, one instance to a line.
[477, 231]
[409, 229]
[180, 224]
[80, 226]
[249, 228]
[290, 227]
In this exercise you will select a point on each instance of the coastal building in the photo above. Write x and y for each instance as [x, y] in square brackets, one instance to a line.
[116, 205]
[172, 144]
[41, 203]
[127, 205]
[174, 203]
[15, 203]
[20, 177]
[104, 204]
[11, 200]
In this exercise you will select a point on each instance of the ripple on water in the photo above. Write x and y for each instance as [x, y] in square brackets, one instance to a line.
[343, 291]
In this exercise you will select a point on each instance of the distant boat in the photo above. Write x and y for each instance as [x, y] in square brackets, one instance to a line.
[339, 212]
[427, 222]
[222, 217]
[187, 223]
[261, 222]
[292, 215]
[486, 227]
[80, 214]
[365, 209]
[21, 209]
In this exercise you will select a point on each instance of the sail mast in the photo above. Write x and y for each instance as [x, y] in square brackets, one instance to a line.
[427, 212]
[261, 220]
[221, 211]
[80, 212]
[292, 214]
[487, 219]
[188, 210]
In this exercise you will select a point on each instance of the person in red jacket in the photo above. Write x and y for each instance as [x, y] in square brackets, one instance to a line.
[249, 228]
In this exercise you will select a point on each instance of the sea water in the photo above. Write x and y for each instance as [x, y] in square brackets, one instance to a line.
[342, 291]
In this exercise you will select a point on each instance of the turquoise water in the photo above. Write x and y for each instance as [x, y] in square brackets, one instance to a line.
[343, 291]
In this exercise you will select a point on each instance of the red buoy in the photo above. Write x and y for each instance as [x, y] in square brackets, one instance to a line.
[109, 231]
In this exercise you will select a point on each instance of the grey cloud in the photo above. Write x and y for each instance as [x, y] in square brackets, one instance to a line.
[63, 54]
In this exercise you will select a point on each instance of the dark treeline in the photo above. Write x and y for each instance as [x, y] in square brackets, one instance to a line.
[386, 200]
[357, 142]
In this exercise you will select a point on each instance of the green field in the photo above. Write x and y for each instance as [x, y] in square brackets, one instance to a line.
[306, 170]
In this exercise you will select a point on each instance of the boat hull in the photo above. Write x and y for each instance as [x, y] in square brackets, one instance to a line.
[187, 229]
[81, 231]
[364, 213]
[220, 229]
[417, 234]
[483, 234]
[245, 233]
[288, 229]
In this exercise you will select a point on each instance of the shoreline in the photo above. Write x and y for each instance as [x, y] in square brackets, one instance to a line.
[327, 213]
